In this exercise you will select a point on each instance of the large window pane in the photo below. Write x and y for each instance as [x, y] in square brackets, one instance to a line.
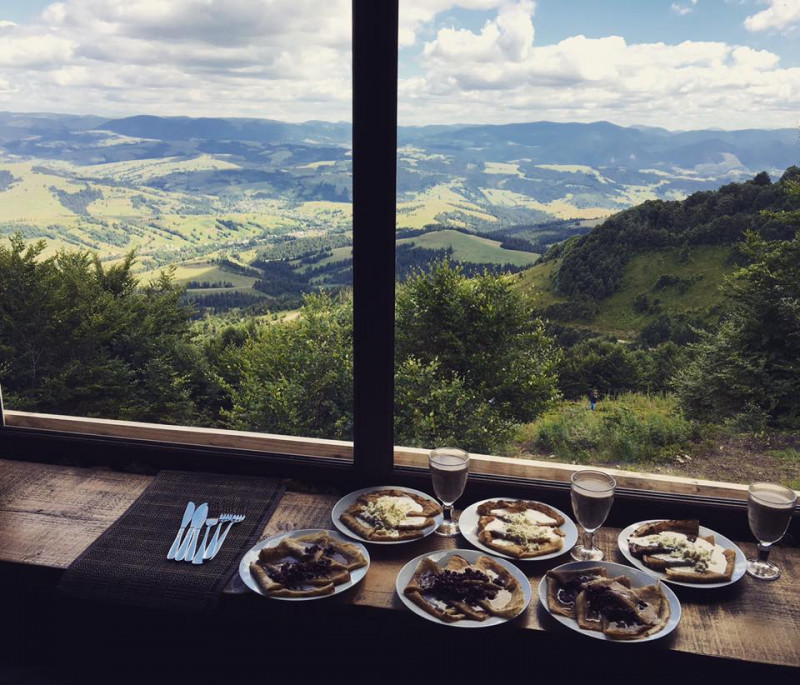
[575, 186]
[175, 213]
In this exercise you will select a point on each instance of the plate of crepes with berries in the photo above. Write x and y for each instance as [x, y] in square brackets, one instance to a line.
[519, 529]
[387, 515]
[304, 564]
[609, 601]
[682, 552]
[463, 588]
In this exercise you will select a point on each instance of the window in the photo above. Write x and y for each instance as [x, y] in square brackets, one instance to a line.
[376, 459]
[245, 194]
[562, 184]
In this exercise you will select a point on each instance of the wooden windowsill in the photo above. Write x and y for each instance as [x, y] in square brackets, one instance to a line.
[343, 451]
[50, 514]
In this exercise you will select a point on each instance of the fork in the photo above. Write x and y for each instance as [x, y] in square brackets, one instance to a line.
[232, 519]
[209, 551]
[198, 558]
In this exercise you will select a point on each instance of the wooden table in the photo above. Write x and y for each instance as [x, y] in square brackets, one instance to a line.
[50, 514]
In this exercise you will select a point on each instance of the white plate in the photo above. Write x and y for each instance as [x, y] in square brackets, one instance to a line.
[441, 558]
[468, 524]
[252, 554]
[739, 568]
[341, 506]
[638, 579]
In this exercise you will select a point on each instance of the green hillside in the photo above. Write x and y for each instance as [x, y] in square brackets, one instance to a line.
[471, 248]
[658, 263]
[594, 264]
[664, 282]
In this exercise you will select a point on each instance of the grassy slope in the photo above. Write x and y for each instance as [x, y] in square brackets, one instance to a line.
[471, 248]
[617, 315]
[649, 433]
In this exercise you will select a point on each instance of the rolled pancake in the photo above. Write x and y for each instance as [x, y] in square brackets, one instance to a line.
[498, 507]
[273, 589]
[353, 558]
[417, 588]
[689, 576]
[557, 580]
[653, 596]
[510, 600]
[685, 526]
[593, 620]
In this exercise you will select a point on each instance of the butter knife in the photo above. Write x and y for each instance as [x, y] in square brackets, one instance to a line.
[187, 516]
[187, 549]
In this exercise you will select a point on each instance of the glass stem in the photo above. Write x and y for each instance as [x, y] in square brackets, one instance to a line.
[448, 512]
[763, 551]
[588, 539]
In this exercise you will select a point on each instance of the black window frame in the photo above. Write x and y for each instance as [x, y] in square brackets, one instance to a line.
[375, 78]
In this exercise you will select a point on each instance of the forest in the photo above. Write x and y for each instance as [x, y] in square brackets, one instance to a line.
[477, 363]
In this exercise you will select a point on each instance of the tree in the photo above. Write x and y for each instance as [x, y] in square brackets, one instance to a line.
[608, 367]
[80, 338]
[749, 368]
[477, 339]
[296, 377]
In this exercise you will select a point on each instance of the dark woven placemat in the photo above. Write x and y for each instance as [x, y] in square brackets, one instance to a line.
[128, 563]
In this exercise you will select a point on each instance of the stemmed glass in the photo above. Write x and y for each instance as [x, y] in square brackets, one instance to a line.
[592, 495]
[769, 510]
[449, 470]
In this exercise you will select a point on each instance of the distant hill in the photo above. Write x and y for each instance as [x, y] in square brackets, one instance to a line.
[260, 130]
[602, 144]
[657, 263]
[178, 188]
[592, 264]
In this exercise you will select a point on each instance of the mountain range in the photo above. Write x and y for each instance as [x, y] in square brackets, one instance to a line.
[178, 187]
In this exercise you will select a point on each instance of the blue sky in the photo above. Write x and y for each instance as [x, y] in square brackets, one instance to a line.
[679, 64]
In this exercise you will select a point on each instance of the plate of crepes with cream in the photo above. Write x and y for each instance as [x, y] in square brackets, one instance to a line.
[304, 564]
[683, 552]
[463, 588]
[387, 515]
[518, 529]
[609, 601]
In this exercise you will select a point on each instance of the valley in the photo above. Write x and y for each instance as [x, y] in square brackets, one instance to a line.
[223, 197]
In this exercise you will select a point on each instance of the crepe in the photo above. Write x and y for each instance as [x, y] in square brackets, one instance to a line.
[390, 515]
[563, 588]
[520, 528]
[306, 566]
[619, 611]
[461, 590]
[677, 549]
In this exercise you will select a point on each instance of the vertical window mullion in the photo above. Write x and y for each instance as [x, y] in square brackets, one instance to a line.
[375, 32]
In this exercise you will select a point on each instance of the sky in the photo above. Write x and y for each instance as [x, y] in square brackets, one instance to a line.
[682, 64]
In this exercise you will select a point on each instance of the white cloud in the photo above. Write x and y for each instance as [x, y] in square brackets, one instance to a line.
[415, 14]
[781, 15]
[287, 59]
[499, 74]
[683, 10]
[290, 59]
